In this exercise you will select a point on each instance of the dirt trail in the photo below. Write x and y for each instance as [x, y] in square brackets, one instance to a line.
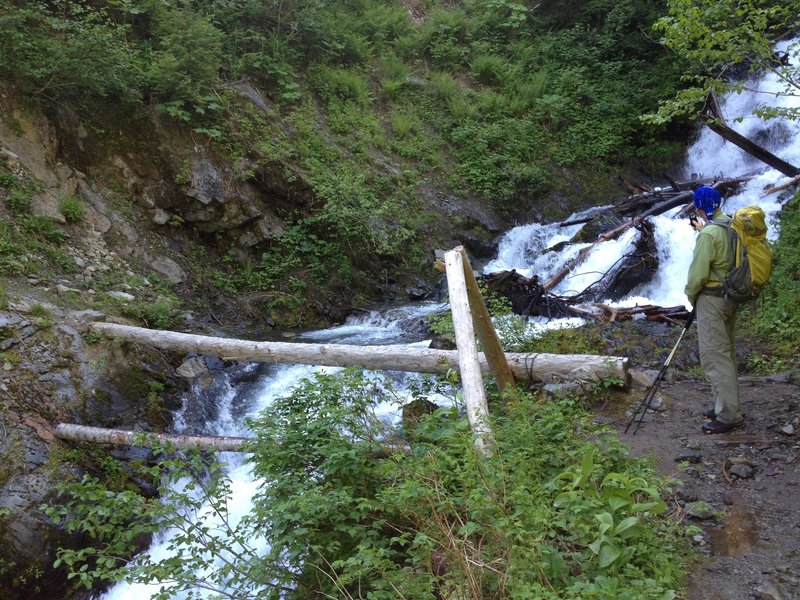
[749, 479]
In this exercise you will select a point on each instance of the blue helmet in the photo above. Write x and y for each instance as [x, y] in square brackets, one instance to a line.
[707, 199]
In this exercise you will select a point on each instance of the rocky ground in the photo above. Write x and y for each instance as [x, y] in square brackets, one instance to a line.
[741, 489]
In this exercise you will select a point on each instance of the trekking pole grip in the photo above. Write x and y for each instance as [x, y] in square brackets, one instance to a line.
[690, 318]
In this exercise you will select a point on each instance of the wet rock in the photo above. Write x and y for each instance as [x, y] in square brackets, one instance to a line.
[124, 296]
[413, 412]
[563, 390]
[642, 378]
[161, 217]
[192, 368]
[742, 471]
[641, 417]
[768, 590]
[788, 429]
[689, 455]
[64, 289]
[88, 316]
[169, 269]
[699, 510]
[443, 342]
[415, 293]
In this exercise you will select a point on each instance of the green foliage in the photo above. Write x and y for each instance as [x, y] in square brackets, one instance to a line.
[116, 521]
[366, 103]
[29, 244]
[158, 314]
[42, 316]
[68, 51]
[93, 459]
[186, 59]
[720, 39]
[548, 515]
[72, 208]
[777, 318]
[345, 84]
[18, 193]
[496, 97]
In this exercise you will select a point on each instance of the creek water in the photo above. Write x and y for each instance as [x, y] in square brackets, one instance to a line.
[522, 249]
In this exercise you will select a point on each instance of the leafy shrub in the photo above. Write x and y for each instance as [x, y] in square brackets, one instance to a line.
[19, 200]
[72, 209]
[548, 515]
[444, 86]
[69, 52]
[444, 38]
[777, 318]
[488, 68]
[43, 228]
[8, 180]
[159, 314]
[187, 57]
[337, 82]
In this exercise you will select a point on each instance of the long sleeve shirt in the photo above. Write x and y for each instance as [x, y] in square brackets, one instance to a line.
[711, 260]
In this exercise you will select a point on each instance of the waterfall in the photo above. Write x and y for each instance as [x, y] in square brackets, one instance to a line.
[522, 249]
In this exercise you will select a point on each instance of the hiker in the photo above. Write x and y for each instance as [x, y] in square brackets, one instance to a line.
[715, 314]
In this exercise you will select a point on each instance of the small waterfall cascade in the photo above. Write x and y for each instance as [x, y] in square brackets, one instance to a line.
[522, 249]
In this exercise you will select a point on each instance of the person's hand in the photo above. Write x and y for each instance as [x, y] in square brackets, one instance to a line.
[696, 222]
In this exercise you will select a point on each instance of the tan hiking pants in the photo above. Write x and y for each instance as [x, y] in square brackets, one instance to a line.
[716, 336]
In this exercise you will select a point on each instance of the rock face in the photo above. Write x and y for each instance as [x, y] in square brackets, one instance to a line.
[51, 375]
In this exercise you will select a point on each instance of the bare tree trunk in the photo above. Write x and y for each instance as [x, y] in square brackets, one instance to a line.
[783, 186]
[609, 235]
[524, 367]
[118, 437]
[217, 443]
[468, 363]
[754, 149]
[492, 348]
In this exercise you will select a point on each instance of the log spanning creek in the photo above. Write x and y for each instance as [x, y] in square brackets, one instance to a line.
[528, 252]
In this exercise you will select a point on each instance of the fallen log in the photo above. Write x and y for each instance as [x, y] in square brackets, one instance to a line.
[119, 437]
[528, 298]
[213, 443]
[524, 366]
[658, 202]
[783, 186]
[751, 147]
[635, 268]
[610, 235]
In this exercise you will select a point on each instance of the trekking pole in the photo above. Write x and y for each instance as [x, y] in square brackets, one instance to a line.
[651, 391]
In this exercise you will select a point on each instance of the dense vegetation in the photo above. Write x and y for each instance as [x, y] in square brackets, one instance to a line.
[551, 514]
[776, 321]
[490, 99]
[370, 107]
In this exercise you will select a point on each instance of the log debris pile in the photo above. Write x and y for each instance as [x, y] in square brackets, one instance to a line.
[533, 297]
[529, 298]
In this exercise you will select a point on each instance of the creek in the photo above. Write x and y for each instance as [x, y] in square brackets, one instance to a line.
[246, 390]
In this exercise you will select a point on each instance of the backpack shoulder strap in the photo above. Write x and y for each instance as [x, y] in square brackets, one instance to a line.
[733, 241]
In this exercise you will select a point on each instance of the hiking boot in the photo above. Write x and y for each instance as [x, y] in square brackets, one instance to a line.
[714, 426]
[712, 414]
